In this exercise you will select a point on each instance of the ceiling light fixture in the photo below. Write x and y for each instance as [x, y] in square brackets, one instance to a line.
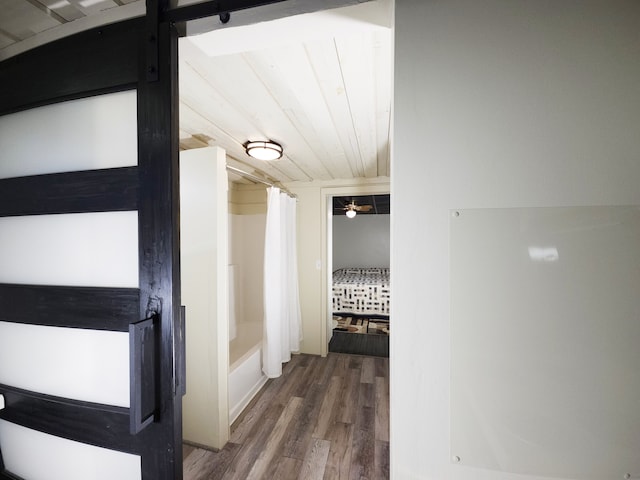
[350, 213]
[264, 150]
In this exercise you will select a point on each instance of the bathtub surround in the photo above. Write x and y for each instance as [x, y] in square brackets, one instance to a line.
[246, 254]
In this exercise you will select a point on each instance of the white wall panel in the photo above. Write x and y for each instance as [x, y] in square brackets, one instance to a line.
[54, 458]
[87, 365]
[85, 249]
[90, 133]
[544, 357]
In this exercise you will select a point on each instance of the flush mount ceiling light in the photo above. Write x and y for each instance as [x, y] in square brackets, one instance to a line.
[264, 150]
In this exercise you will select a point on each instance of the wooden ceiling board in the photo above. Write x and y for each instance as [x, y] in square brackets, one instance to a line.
[197, 93]
[382, 76]
[317, 95]
[195, 124]
[238, 81]
[356, 60]
[289, 77]
[233, 79]
[247, 111]
[325, 63]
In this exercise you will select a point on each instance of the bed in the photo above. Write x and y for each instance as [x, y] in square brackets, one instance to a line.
[361, 291]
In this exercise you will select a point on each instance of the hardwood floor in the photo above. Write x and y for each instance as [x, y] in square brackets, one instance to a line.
[324, 418]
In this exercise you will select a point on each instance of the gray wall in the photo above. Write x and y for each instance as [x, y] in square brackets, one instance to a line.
[362, 241]
[498, 103]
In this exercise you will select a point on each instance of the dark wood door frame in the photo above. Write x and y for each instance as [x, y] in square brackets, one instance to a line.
[103, 60]
[134, 54]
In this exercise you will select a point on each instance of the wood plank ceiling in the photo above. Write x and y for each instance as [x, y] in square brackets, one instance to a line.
[317, 83]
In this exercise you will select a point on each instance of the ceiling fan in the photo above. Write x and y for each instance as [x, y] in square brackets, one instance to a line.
[351, 209]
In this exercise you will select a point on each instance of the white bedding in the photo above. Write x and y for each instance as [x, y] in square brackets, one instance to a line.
[361, 291]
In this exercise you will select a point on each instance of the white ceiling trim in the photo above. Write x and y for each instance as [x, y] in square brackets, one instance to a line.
[113, 15]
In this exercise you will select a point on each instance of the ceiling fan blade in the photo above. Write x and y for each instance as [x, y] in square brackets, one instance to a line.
[363, 208]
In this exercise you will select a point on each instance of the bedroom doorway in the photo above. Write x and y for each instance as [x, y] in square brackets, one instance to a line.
[358, 272]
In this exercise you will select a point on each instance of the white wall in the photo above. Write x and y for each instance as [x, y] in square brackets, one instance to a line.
[204, 260]
[314, 272]
[498, 103]
[362, 241]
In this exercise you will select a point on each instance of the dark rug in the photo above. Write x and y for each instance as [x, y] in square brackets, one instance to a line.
[349, 324]
[360, 336]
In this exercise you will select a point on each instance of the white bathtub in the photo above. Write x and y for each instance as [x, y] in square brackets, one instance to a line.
[245, 369]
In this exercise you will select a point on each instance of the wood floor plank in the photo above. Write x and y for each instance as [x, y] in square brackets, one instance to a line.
[366, 419]
[327, 408]
[287, 468]
[327, 373]
[338, 428]
[382, 367]
[381, 462]
[299, 437]
[367, 395]
[186, 450]
[274, 440]
[382, 409]
[207, 464]
[363, 455]
[315, 460]
[309, 377]
[254, 412]
[342, 364]
[253, 446]
[303, 359]
[339, 459]
[368, 370]
[347, 404]
[355, 361]
[291, 383]
[191, 464]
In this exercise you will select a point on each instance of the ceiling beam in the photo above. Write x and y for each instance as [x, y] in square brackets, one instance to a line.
[250, 15]
[211, 8]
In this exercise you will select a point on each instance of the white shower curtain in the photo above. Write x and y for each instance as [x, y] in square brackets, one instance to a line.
[282, 318]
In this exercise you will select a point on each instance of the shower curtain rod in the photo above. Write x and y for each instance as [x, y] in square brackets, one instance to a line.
[255, 178]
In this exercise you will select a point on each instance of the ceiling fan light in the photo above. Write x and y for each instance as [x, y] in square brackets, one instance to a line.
[266, 151]
[350, 213]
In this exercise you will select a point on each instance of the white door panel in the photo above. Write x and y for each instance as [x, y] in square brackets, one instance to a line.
[80, 249]
[55, 458]
[73, 135]
[80, 364]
